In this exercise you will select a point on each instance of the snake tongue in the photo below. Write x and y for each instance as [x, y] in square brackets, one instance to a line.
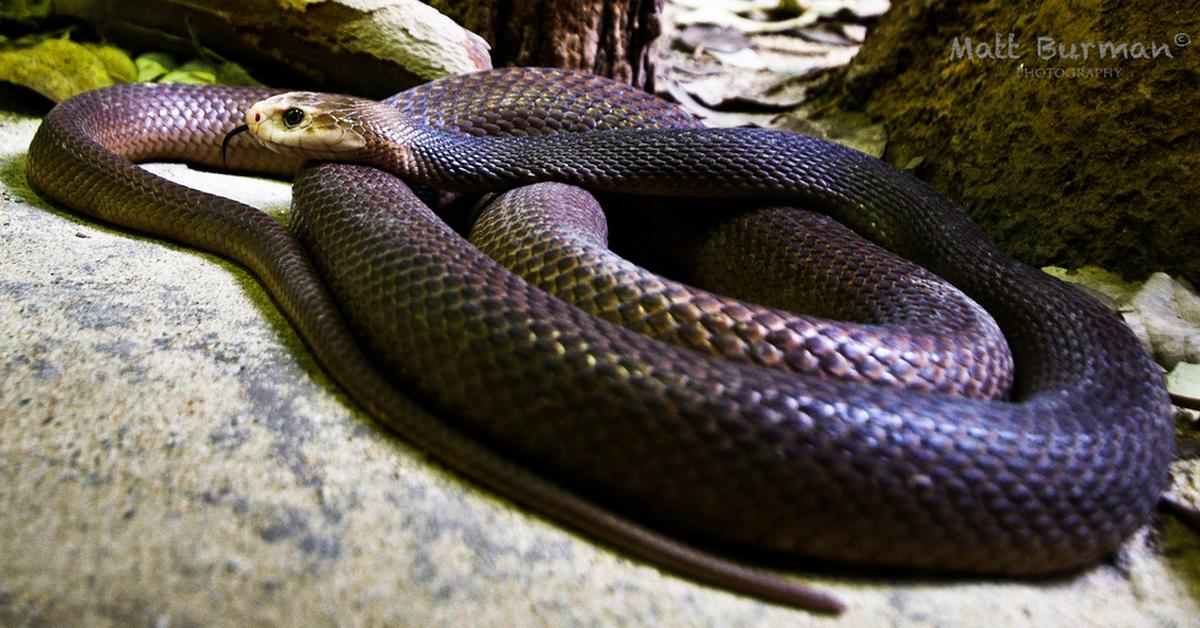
[229, 136]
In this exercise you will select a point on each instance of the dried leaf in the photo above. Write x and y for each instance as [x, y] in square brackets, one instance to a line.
[745, 58]
[705, 38]
[775, 72]
[785, 63]
[858, 8]
[856, 33]
[714, 118]
[734, 6]
[802, 45]
[720, 17]
[763, 90]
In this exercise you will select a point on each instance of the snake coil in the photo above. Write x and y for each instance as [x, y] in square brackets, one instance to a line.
[1048, 481]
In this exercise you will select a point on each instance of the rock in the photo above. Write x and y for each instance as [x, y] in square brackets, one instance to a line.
[369, 47]
[1174, 337]
[1183, 495]
[1187, 299]
[1056, 165]
[1164, 313]
[1106, 285]
[1134, 322]
[1183, 383]
[852, 129]
[172, 453]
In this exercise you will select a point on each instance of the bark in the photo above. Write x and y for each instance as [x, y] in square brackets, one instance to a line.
[606, 37]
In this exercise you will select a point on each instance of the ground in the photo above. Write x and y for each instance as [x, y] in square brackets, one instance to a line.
[170, 454]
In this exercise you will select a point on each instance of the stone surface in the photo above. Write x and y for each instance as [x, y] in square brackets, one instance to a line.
[1163, 312]
[1184, 380]
[170, 454]
[1058, 166]
[371, 48]
[1171, 318]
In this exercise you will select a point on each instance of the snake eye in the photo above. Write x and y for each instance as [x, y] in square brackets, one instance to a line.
[293, 117]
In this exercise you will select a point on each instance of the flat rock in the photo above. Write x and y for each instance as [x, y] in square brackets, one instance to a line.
[1169, 312]
[1184, 381]
[171, 453]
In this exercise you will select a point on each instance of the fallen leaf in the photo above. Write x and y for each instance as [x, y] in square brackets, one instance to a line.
[713, 118]
[720, 17]
[858, 8]
[760, 89]
[704, 38]
[735, 6]
[787, 63]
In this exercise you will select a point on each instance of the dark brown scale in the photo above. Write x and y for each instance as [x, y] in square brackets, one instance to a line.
[555, 236]
[80, 157]
[978, 363]
[1053, 480]
[746, 455]
[702, 446]
[535, 101]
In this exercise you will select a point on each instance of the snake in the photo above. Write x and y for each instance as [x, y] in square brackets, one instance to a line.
[655, 449]
[924, 335]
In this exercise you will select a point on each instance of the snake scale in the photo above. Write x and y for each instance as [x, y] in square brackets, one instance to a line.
[924, 335]
[1049, 480]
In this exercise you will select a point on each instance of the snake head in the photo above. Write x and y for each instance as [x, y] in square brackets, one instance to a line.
[309, 124]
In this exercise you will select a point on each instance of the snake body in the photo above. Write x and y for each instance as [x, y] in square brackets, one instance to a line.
[1049, 481]
[554, 236]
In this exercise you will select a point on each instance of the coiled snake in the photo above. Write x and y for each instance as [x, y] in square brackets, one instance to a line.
[1050, 480]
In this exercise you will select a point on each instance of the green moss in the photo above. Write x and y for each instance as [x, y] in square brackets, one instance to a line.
[1066, 171]
[57, 68]
[1181, 548]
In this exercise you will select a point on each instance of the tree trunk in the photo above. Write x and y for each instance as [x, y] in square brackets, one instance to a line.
[607, 37]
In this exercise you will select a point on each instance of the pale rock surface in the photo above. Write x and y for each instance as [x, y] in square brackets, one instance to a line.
[1163, 311]
[170, 454]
